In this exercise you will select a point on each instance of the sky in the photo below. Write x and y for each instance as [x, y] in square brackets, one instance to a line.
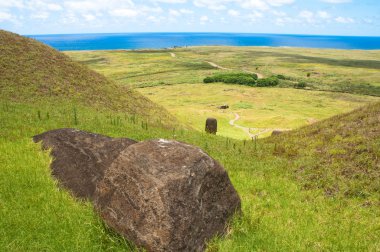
[320, 17]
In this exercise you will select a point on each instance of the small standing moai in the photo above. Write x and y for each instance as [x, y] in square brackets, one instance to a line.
[211, 126]
[276, 132]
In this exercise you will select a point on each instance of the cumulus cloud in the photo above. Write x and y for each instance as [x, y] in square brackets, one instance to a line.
[204, 19]
[279, 2]
[174, 13]
[255, 4]
[336, 1]
[11, 4]
[4, 16]
[233, 13]
[344, 20]
[171, 1]
[186, 11]
[212, 4]
[307, 15]
[89, 17]
[124, 13]
[323, 14]
[40, 15]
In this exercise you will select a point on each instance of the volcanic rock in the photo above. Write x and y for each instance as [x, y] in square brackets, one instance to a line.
[80, 158]
[166, 196]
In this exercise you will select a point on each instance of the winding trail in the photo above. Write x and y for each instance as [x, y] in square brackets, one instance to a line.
[248, 130]
[259, 75]
[217, 66]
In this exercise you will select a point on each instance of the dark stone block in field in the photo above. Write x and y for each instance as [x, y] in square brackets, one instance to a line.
[225, 106]
[166, 196]
[276, 132]
[211, 125]
[80, 158]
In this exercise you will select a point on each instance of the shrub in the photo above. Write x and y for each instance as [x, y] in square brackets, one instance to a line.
[268, 82]
[233, 78]
[300, 85]
[208, 80]
[246, 79]
[281, 77]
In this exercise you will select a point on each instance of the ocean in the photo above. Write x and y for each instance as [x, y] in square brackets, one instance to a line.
[67, 42]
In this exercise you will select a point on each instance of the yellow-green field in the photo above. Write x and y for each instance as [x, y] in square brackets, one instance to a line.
[274, 108]
[174, 79]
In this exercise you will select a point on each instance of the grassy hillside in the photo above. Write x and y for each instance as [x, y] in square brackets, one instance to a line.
[340, 155]
[33, 72]
[313, 189]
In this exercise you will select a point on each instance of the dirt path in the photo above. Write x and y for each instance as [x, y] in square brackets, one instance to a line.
[259, 75]
[248, 130]
[173, 55]
[217, 66]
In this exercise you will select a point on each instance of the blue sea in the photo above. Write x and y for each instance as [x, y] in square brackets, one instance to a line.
[67, 42]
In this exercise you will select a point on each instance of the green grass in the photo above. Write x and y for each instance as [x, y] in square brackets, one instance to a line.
[285, 182]
[276, 108]
[279, 212]
[176, 84]
[350, 71]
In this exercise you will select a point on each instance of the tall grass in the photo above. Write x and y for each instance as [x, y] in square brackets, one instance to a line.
[278, 213]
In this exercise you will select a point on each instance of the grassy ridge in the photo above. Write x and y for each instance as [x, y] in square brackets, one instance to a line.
[33, 72]
[340, 155]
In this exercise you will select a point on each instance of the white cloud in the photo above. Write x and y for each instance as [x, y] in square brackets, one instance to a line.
[154, 19]
[336, 1]
[323, 14]
[11, 4]
[186, 11]
[124, 13]
[212, 4]
[306, 14]
[40, 15]
[171, 1]
[234, 13]
[174, 13]
[86, 6]
[204, 19]
[255, 4]
[4, 16]
[344, 20]
[278, 13]
[89, 17]
[280, 2]
[54, 7]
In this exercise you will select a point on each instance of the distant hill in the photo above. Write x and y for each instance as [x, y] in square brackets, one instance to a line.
[340, 155]
[31, 71]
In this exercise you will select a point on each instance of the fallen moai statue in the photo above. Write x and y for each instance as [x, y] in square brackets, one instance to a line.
[162, 195]
[80, 158]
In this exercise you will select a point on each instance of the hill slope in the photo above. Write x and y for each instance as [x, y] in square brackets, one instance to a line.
[31, 72]
[341, 155]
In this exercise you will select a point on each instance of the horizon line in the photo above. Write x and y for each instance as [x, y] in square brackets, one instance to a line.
[203, 32]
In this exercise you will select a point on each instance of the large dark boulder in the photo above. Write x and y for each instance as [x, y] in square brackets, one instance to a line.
[80, 158]
[166, 196]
